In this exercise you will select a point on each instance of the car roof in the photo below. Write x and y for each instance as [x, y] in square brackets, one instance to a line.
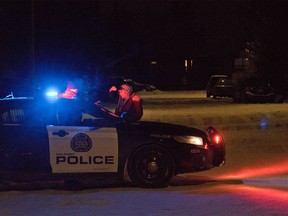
[16, 98]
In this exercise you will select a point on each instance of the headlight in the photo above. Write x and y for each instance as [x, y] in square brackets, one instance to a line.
[193, 140]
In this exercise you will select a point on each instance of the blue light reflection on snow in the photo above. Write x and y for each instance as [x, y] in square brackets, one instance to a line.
[264, 122]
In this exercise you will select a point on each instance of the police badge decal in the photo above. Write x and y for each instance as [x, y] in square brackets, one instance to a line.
[81, 143]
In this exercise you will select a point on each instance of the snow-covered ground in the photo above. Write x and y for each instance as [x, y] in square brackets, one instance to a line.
[254, 180]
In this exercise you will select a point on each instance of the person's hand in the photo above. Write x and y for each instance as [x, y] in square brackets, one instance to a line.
[136, 98]
[112, 89]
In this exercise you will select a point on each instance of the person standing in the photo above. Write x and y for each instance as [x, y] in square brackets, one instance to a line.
[129, 106]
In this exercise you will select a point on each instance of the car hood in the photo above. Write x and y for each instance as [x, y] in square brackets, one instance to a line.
[168, 128]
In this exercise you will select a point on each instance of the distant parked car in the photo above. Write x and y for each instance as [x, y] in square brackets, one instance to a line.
[140, 86]
[220, 86]
[259, 94]
[101, 90]
[255, 91]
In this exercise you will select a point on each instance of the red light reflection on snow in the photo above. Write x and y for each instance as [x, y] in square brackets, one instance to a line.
[266, 198]
[275, 169]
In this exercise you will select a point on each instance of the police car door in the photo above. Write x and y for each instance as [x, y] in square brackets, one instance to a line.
[79, 149]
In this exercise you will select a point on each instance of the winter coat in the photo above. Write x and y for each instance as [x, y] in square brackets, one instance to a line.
[130, 110]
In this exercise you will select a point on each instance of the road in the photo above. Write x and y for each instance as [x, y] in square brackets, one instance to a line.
[254, 180]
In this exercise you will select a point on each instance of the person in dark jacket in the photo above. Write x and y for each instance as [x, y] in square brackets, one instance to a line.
[129, 106]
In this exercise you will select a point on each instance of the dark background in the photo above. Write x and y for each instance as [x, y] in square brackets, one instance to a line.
[108, 38]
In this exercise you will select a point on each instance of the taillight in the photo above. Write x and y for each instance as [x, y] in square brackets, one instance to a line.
[217, 139]
[214, 135]
[217, 146]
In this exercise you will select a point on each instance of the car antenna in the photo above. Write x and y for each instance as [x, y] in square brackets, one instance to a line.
[10, 95]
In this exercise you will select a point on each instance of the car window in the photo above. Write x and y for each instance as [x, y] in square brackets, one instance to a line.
[214, 79]
[26, 114]
[224, 81]
[79, 113]
[64, 113]
[12, 116]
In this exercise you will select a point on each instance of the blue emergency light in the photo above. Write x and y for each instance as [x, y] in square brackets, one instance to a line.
[51, 94]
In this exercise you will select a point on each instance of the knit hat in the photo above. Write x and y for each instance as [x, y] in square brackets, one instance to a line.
[127, 88]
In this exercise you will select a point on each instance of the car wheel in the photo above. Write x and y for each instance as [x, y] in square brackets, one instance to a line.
[151, 166]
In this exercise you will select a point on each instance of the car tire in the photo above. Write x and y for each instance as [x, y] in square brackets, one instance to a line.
[151, 166]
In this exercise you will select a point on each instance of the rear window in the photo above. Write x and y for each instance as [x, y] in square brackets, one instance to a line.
[12, 116]
[224, 82]
[25, 112]
[214, 79]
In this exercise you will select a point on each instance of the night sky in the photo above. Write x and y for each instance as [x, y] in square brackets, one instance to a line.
[123, 37]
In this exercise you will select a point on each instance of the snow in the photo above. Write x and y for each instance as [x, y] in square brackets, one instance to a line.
[254, 180]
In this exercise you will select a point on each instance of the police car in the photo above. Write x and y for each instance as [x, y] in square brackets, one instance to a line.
[71, 139]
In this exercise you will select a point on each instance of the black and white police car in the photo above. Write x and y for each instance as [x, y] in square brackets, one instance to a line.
[72, 139]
